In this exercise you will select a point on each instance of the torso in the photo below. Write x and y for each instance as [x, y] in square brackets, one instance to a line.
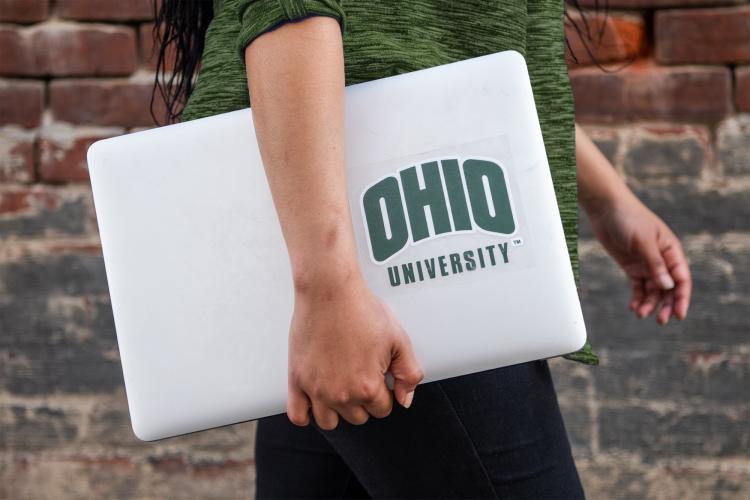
[390, 37]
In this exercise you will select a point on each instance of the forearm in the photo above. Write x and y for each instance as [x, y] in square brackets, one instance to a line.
[599, 184]
[296, 83]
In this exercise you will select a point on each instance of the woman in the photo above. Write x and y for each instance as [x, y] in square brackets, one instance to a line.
[497, 433]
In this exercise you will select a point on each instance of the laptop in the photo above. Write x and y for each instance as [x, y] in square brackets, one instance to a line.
[456, 223]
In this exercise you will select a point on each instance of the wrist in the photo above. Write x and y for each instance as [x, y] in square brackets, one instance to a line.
[327, 275]
[596, 204]
[600, 201]
[600, 206]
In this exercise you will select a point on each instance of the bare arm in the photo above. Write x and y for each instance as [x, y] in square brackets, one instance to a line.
[644, 246]
[296, 80]
[342, 338]
[598, 182]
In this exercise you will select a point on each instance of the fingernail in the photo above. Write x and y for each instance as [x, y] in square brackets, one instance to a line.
[408, 399]
[665, 281]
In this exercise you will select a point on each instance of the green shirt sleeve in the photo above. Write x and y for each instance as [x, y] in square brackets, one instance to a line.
[259, 16]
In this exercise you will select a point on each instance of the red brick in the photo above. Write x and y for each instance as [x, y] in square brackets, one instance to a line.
[742, 88]
[20, 200]
[16, 154]
[148, 56]
[82, 50]
[23, 11]
[109, 10]
[62, 151]
[21, 102]
[614, 37]
[68, 49]
[111, 102]
[703, 35]
[644, 91]
[17, 52]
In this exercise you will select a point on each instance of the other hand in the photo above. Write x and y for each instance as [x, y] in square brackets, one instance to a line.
[651, 256]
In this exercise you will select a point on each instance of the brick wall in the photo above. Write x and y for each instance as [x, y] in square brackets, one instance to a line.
[664, 416]
[667, 414]
[72, 72]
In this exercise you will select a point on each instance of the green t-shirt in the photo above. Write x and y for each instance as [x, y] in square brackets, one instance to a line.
[389, 37]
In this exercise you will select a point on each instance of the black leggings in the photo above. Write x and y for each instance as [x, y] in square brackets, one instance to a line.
[493, 434]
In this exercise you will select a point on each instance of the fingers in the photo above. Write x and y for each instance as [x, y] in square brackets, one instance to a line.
[669, 285]
[682, 299]
[654, 300]
[406, 371]
[355, 415]
[665, 310]
[650, 300]
[326, 418]
[298, 406]
[375, 399]
[359, 389]
[638, 294]
[678, 267]
[355, 405]
[658, 270]
[380, 404]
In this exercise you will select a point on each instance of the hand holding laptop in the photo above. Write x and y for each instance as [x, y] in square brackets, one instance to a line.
[342, 338]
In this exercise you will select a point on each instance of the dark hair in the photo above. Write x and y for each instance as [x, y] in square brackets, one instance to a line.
[180, 32]
[589, 38]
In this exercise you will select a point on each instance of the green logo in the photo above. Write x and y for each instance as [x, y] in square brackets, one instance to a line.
[460, 195]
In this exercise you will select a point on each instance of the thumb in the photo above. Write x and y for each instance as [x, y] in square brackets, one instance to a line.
[406, 371]
[657, 268]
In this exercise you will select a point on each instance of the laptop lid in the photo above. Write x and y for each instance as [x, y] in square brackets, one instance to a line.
[455, 217]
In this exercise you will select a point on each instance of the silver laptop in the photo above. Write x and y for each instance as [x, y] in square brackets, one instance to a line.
[456, 222]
